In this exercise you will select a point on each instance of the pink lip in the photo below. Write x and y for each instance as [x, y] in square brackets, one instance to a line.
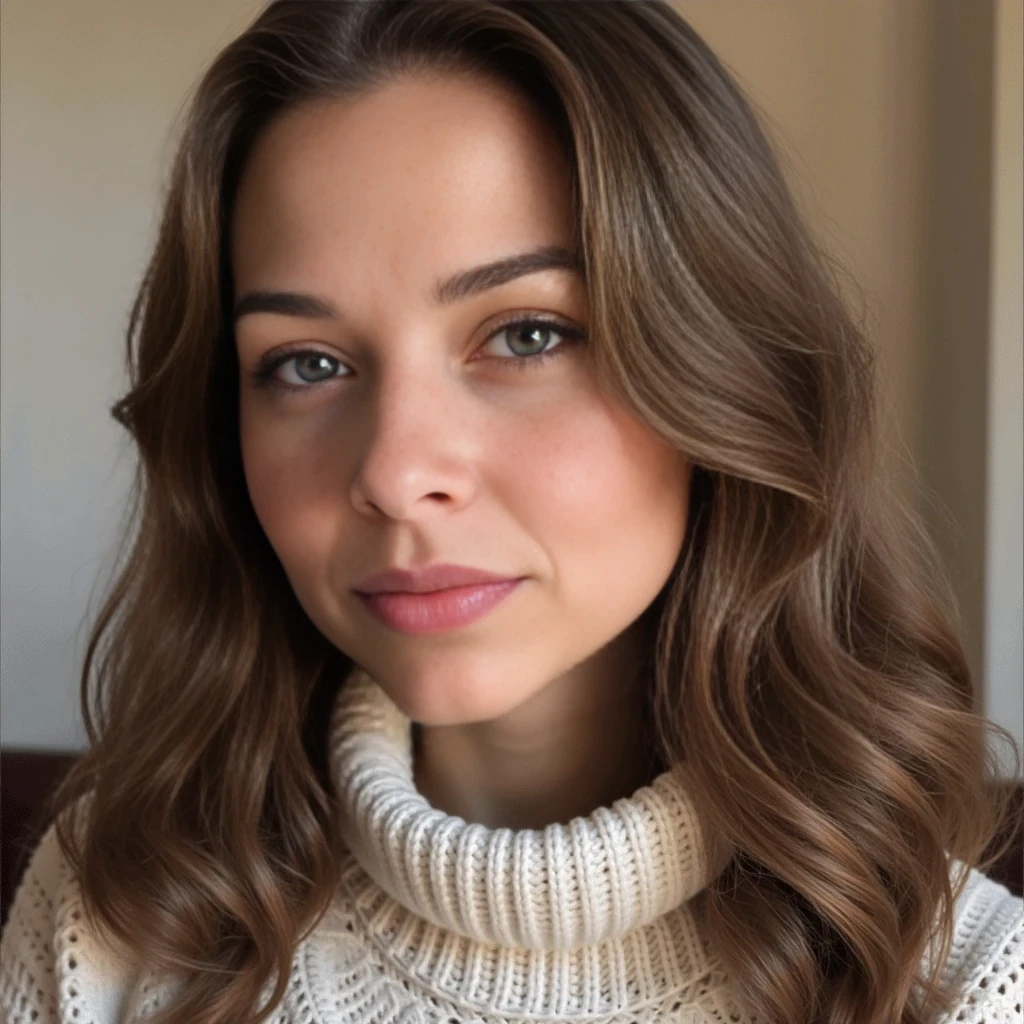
[443, 609]
[429, 578]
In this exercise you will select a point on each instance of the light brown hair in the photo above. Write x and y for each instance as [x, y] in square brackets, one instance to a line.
[808, 664]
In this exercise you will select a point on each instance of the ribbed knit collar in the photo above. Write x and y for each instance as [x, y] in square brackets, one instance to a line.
[592, 879]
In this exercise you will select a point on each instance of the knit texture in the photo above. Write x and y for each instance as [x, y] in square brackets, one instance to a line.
[440, 921]
[593, 880]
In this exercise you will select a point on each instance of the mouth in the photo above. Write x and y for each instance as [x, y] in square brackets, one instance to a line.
[438, 610]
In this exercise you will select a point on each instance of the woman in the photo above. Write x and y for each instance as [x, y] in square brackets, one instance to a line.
[689, 735]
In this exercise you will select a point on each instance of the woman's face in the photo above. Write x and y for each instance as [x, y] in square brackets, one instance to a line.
[414, 433]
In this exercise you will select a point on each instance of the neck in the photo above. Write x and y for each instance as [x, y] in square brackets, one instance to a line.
[637, 863]
[581, 742]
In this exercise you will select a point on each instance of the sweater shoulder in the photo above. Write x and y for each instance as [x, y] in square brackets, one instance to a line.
[28, 980]
[53, 969]
[987, 954]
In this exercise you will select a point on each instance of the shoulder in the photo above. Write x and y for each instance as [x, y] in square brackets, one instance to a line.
[53, 969]
[987, 954]
[28, 982]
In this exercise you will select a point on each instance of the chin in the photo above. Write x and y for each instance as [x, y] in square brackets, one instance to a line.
[445, 695]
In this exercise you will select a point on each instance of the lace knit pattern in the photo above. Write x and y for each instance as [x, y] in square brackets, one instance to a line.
[369, 962]
[437, 921]
[987, 957]
[52, 971]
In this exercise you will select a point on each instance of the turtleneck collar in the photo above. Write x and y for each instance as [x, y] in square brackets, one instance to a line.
[592, 879]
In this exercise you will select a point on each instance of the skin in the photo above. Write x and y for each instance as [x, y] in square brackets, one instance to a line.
[418, 442]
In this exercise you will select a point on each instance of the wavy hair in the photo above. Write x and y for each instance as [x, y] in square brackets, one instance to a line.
[808, 650]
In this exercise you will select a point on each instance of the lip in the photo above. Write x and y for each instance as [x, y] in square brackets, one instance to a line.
[441, 576]
[433, 612]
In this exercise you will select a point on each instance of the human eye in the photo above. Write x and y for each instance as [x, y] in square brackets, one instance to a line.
[310, 367]
[265, 374]
[531, 333]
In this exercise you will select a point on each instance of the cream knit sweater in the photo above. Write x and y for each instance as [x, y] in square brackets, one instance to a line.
[442, 922]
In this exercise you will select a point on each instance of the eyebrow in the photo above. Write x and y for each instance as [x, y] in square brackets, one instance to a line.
[459, 286]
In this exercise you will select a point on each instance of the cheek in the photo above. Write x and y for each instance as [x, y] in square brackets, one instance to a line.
[294, 495]
[605, 498]
[594, 490]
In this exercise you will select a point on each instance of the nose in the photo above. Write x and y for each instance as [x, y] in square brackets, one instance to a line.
[415, 456]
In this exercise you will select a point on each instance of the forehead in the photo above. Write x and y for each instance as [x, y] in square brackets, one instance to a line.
[424, 174]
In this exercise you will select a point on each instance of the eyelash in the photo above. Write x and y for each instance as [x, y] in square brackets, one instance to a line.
[262, 375]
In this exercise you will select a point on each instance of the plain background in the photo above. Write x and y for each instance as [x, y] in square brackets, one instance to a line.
[899, 122]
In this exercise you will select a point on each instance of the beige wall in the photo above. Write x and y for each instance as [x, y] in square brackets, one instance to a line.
[841, 88]
[89, 92]
[884, 115]
[1004, 542]
[900, 126]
